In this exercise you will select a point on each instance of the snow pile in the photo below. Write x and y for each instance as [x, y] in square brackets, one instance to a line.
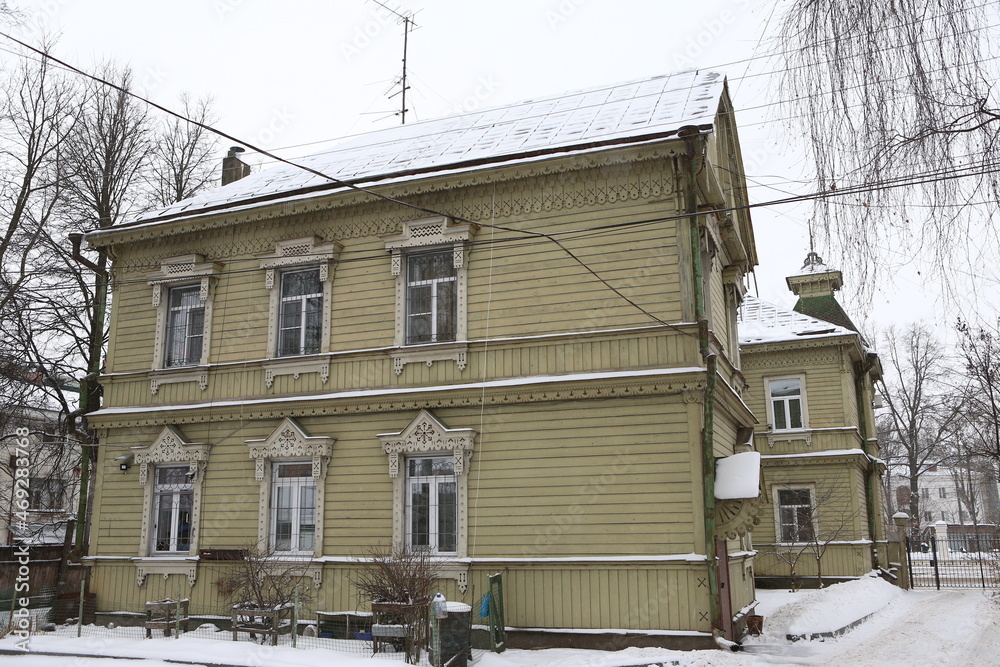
[830, 609]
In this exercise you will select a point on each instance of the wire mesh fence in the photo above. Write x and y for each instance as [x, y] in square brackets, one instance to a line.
[417, 634]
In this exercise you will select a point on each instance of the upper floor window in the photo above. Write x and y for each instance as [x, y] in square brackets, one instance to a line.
[185, 327]
[46, 493]
[428, 261]
[786, 404]
[300, 326]
[299, 277]
[942, 492]
[173, 494]
[431, 286]
[182, 295]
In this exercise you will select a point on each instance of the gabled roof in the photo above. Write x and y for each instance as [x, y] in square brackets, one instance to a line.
[620, 114]
[763, 322]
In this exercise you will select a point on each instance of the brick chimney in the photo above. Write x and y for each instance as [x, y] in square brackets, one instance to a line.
[233, 168]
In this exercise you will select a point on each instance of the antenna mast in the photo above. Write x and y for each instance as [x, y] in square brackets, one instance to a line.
[407, 20]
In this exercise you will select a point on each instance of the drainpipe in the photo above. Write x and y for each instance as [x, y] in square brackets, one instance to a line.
[692, 147]
[859, 387]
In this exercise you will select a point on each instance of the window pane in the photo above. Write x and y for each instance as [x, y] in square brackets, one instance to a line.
[163, 515]
[795, 413]
[430, 266]
[419, 514]
[184, 523]
[446, 311]
[185, 326]
[447, 516]
[300, 283]
[314, 325]
[779, 415]
[294, 470]
[787, 387]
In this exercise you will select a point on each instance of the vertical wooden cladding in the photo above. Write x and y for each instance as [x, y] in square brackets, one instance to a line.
[633, 596]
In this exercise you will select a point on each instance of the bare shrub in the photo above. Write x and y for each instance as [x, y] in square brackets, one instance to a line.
[403, 576]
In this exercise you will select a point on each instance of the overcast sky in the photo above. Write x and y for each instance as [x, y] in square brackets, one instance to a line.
[294, 74]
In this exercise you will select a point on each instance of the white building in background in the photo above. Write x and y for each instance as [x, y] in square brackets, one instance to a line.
[38, 464]
[958, 496]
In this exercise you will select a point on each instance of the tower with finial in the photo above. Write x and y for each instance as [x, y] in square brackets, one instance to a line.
[815, 284]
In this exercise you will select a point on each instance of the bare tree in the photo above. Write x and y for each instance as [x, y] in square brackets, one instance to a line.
[980, 350]
[36, 117]
[895, 100]
[183, 155]
[923, 410]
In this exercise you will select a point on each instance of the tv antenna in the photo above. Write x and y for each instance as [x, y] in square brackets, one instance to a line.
[408, 24]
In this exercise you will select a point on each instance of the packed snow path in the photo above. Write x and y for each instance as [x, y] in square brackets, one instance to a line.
[950, 627]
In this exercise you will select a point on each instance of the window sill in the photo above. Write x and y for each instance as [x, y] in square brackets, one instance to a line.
[296, 366]
[789, 435]
[429, 353]
[162, 376]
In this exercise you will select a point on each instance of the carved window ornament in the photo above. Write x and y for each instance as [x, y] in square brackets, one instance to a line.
[426, 435]
[289, 442]
[430, 234]
[170, 447]
[181, 271]
[298, 254]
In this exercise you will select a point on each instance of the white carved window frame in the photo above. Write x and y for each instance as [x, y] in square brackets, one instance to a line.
[170, 447]
[297, 254]
[436, 233]
[181, 271]
[288, 442]
[790, 434]
[425, 436]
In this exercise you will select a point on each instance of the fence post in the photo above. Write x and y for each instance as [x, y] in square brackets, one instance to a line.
[937, 563]
[900, 520]
[79, 620]
[295, 616]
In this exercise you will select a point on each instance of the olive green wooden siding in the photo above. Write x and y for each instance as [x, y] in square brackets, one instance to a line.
[597, 478]
[586, 492]
[833, 425]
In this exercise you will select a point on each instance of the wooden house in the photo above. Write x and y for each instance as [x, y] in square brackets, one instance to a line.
[506, 338]
[810, 379]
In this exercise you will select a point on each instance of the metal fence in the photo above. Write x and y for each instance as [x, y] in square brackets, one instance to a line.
[960, 561]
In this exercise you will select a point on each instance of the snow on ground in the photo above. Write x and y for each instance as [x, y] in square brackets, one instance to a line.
[923, 627]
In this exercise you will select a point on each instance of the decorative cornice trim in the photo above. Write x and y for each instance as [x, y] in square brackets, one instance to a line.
[170, 446]
[488, 175]
[456, 396]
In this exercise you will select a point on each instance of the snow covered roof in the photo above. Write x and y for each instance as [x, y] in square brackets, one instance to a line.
[763, 322]
[585, 120]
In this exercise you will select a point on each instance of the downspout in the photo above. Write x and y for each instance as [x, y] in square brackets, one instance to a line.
[859, 388]
[691, 149]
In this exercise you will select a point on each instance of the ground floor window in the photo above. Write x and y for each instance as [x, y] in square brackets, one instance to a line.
[173, 492]
[795, 515]
[432, 504]
[293, 507]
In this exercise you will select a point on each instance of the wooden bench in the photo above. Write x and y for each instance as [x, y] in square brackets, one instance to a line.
[166, 615]
[263, 622]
